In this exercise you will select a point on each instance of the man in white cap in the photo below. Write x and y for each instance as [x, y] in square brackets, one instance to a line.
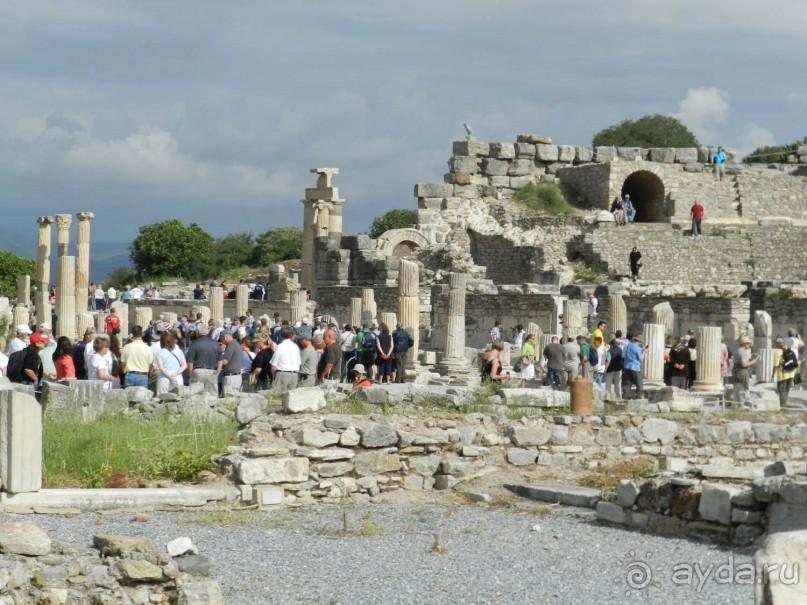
[20, 341]
[360, 380]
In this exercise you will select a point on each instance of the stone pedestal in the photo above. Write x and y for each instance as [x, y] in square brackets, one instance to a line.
[653, 364]
[707, 364]
[66, 297]
[241, 300]
[87, 320]
[619, 314]
[390, 319]
[409, 307]
[83, 259]
[298, 308]
[217, 303]
[764, 367]
[572, 320]
[355, 312]
[763, 330]
[368, 307]
[142, 316]
[24, 290]
[663, 314]
[121, 309]
[43, 308]
[20, 442]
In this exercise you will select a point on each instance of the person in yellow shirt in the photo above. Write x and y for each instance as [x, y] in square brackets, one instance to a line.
[599, 332]
[783, 376]
[527, 360]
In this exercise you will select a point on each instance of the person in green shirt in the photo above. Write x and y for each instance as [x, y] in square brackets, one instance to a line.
[585, 366]
[527, 360]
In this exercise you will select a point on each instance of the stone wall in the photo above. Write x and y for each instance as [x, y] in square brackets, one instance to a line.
[504, 262]
[185, 307]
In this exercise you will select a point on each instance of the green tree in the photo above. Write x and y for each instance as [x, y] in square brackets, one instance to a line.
[649, 131]
[171, 249]
[773, 154]
[277, 245]
[233, 251]
[12, 266]
[394, 219]
[120, 277]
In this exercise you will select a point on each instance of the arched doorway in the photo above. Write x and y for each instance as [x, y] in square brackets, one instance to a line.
[401, 242]
[646, 191]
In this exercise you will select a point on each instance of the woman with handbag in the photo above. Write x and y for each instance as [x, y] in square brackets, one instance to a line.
[527, 360]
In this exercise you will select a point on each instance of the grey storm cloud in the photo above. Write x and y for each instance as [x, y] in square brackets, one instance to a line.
[213, 112]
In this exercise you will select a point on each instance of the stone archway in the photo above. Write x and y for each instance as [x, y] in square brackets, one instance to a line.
[646, 188]
[401, 242]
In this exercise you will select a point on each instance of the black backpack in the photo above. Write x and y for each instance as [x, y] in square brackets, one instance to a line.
[369, 341]
[14, 369]
[789, 360]
[593, 356]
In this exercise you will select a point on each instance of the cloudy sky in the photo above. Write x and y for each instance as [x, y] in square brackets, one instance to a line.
[213, 112]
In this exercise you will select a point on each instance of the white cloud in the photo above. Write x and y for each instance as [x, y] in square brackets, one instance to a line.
[754, 136]
[703, 111]
[796, 98]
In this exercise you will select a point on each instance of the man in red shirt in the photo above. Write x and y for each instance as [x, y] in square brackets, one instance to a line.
[112, 324]
[696, 214]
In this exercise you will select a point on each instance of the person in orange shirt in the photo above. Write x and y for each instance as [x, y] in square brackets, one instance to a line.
[63, 359]
[360, 380]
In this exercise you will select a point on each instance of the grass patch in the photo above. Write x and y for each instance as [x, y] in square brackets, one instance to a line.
[610, 475]
[718, 232]
[585, 273]
[544, 198]
[772, 295]
[116, 451]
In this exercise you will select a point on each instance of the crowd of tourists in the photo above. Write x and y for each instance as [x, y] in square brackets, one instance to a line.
[613, 361]
[225, 356]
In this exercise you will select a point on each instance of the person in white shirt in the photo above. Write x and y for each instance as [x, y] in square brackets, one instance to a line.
[285, 362]
[794, 342]
[137, 292]
[518, 337]
[20, 341]
[99, 298]
[347, 342]
[89, 350]
[100, 366]
[593, 308]
[111, 295]
[3, 357]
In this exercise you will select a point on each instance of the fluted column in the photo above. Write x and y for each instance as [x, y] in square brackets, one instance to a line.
[764, 367]
[335, 217]
[142, 317]
[535, 329]
[121, 309]
[21, 315]
[217, 302]
[83, 259]
[390, 319]
[763, 329]
[86, 320]
[572, 320]
[455, 330]
[409, 306]
[63, 222]
[557, 314]
[543, 341]
[24, 290]
[663, 314]
[204, 311]
[100, 324]
[653, 364]
[368, 306]
[241, 299]
[66, 297]
[298, 308]
[707, 364]
[43, 309]
[619, 313]
[355, 311]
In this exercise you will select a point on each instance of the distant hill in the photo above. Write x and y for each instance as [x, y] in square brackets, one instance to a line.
[104, 256]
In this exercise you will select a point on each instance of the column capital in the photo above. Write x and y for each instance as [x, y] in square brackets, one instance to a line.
[63, 221]
[85, 216]
[44, 220]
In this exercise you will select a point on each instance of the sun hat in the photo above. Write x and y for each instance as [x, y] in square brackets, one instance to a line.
[359, 369]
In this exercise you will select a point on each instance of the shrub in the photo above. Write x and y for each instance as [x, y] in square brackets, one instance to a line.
[544, 198]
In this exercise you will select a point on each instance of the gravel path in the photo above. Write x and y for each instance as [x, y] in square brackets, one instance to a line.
[492, 555]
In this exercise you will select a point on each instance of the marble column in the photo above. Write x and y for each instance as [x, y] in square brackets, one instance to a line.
[653, 364]
[368, 306]
[454, 345]
[63, 222]
[409, 306]
[390, 319]
[763, 331]
[572, 320]
[663, 314]
[121, 309]
[86, 320]
[543, 342]
[297, 306]
[20, 443]
[142, 317]
[100, 325]
[534, 328]
[21, 316]
[204, 311]
[83, 259]
[557, 313]
[355, 311]
[24, 290]
[707, 364]
[335, 216]
[241, 300]
[217, 303]
[764, 367]
[66, 297]
[43, 308]
[619, 314]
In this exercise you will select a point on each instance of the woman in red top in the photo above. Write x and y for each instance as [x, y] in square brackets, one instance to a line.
[63, 359]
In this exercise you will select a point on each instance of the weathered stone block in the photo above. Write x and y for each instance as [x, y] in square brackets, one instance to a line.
[583, 154]
[272, 470]
[521, 457]
[334, 469]
[502, 151]
[471, 146]
[434, 190]
[315, 438]
[457, 467]
[20, 442]
[686, 155]
[200, 593]
[658, 429]
[424, 465]
[785, 553]
[413, 482]
[525, 150]
[307, 399]
[492, 167]
[268, 495]
[521, 167]
[566, 153]
[546, 153]
[465, 164]
[250, 407]
[715, 503]
[25, 538]
[517, 182]
[664, 155]
[609, 436]
[613, 513]
[523, 436]
[378, 435]
[535, 139]
[626, 493]
[631, 154]
[604, 154]
[375, 463]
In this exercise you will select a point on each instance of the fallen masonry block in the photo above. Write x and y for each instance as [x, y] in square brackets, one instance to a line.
[570, 495]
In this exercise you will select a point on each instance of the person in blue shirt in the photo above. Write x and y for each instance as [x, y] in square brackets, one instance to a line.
[632, 367]
[719, 161]
[628, 209]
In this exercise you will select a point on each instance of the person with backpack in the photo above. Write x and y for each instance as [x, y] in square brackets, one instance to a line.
[25, 367]
[785, 365]
[613, 371]
[366, 341]
[403, 342]
[632, 367]
[584, 350]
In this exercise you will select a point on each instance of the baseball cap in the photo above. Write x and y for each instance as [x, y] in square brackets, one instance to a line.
[359, 369]
[44, 327]
[23, 329]
[780, 341]
[37, 337]
[745, 340]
